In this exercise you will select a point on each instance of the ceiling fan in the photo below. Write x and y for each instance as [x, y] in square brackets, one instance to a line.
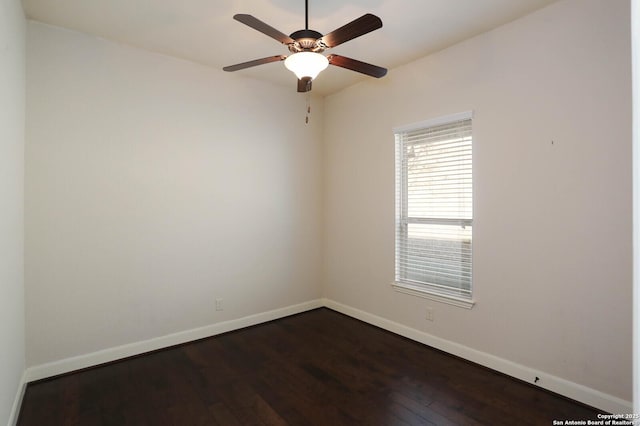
[306, 46]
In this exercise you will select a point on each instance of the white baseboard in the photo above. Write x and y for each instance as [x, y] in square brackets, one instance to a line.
[113, 354]
[17, 402]
[555, 384]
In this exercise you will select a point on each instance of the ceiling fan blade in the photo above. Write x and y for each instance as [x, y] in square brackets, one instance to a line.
[255, 62]
[304, 85]
[361, 26]
[258, 25]
[358, 66]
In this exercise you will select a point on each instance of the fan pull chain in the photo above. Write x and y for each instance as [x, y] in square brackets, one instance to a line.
[306, 119]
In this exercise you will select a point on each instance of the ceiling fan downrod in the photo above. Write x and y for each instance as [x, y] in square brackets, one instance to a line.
[306, 14]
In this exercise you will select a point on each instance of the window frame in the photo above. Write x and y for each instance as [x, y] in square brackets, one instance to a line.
[431, 291]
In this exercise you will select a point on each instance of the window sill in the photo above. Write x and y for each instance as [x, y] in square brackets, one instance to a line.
[421, 292]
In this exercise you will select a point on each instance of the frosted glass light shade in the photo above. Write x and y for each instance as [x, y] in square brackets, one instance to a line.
[306, 64]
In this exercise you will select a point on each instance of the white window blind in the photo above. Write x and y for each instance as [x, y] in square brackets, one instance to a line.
[434, 206]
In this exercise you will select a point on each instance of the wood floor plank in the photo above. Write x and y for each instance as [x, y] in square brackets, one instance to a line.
[316, 368]
[222, 416]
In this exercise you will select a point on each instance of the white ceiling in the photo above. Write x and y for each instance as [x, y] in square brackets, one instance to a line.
[204, 31]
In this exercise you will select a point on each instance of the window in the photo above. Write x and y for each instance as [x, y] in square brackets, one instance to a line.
[434, 209]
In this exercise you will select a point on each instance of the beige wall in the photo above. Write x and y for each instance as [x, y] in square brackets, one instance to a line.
[12, 113]
[552, 230]
[155, 186]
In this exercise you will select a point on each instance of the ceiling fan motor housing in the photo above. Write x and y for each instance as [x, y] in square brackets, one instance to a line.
[306, 41]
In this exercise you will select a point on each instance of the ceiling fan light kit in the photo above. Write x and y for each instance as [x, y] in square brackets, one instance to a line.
[306, 64]
[306, 46]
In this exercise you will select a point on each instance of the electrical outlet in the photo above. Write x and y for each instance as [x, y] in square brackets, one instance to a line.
[429, 316]
[219, 305]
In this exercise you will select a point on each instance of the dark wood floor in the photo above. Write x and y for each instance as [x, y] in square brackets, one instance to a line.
[315, 368]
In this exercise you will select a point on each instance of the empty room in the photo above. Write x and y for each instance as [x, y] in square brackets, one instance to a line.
[316, 212]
